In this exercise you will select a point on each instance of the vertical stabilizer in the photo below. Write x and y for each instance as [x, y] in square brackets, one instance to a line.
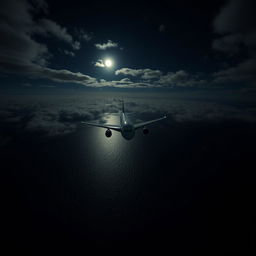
[122, 106]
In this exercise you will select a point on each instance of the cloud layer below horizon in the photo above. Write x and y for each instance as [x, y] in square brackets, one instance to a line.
[51, 115]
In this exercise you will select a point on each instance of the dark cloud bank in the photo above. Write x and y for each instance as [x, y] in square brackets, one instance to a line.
[61, 114]
[235, 26]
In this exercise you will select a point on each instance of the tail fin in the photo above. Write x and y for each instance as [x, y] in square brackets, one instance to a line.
[122, 105]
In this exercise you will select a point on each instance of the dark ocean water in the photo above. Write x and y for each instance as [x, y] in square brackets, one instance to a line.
[184, 187]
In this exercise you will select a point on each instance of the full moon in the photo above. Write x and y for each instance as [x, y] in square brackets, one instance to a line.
[108, 63]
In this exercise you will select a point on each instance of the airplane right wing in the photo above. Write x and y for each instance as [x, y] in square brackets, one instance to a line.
[106, 126]
[140, 125]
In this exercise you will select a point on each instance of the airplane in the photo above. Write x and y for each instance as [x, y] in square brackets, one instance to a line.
[126, 127]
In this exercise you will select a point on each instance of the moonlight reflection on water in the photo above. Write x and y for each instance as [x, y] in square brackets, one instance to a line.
[107, 157]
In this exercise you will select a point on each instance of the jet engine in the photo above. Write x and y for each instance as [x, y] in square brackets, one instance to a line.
[108, 133]
[145, 131]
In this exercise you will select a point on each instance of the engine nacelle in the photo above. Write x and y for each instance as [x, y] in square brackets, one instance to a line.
[145, 131]
[108, 133]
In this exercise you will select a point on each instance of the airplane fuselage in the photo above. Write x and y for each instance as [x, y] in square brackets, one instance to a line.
[127, 128]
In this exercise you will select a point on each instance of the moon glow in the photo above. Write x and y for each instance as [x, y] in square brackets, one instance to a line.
[108, 63]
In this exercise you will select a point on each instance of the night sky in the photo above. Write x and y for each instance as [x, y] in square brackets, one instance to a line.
[188, 186]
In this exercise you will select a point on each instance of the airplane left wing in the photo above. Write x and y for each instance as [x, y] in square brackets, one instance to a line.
[140, 125]
[106, 126]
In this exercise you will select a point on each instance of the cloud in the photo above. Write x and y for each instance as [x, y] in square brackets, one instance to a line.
[86, 36]
[66, 76]
[37, 71]
[21, 54]
[237, 37]
[181, 78]
[54, 115]
[69, 53]
[83, 35]
[17, 44]
[104, 46]
[144, 73]
[46, 26]
[99, 63]
[156, 78]
[243, 72]
[9, 10]
[126, 80]
[49, 115]
[236, 16]
[236, 32]
[40, 5]
[228, 44]
[123, 83]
